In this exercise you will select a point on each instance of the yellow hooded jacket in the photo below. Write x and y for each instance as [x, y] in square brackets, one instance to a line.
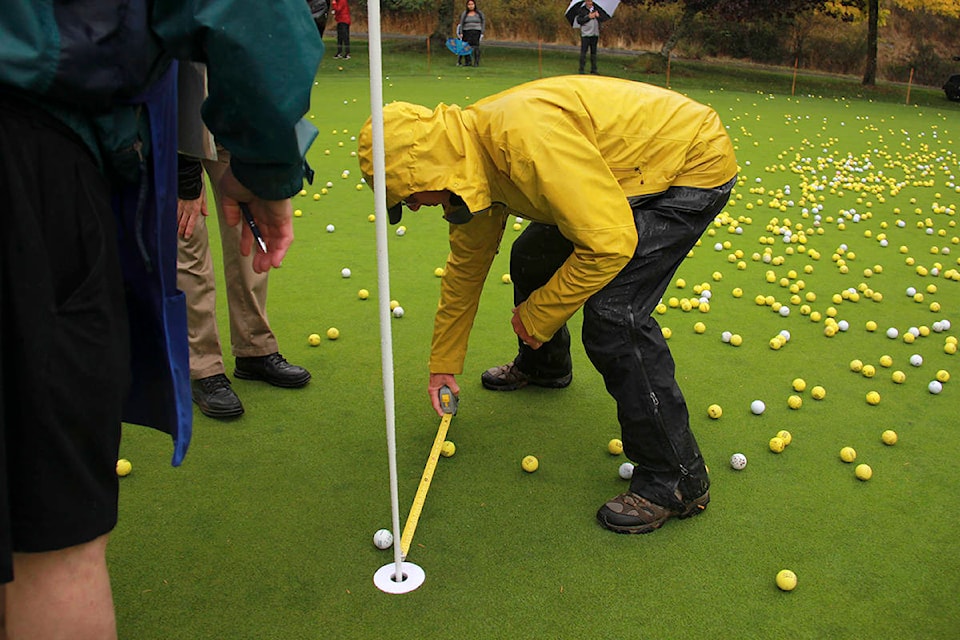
[566, 151]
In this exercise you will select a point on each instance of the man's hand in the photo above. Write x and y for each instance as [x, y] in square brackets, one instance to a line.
[437, 381]
[188, 212]
[521, 331]
[274, 219]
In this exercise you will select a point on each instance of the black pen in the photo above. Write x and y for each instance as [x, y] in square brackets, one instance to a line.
[253, 226]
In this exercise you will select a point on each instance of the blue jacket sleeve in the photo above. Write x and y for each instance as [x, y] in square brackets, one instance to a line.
[261, 59]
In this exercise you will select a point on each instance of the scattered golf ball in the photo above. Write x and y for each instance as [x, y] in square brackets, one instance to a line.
[124, 467]
[799, 385]
[383, 539]
[331, 228]
[889, 437]
[786, 436]
[848, 454]
[863, 472]
[438, 272]
[333, 333]
[398, 312]
[363, 294]
[714, 411]
[935, 387]
[916, 360]
[786, 580]
[892, 333]
[738, 461]
[394, 304]
[818, 393]
[943, 375]
[776, 444]
[530, 464]
[615, 447]
[345, 272]
[626, 470]
[873, 398]
[794, 402]
[757, 407]
[313, 339]
[448, 449]
[401, 230]
[505, 278]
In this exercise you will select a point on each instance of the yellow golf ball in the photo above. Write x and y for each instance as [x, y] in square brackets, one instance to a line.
[848, 454]
[124, 467]
[448, 449]
[615, 447]
[799, 385]
[873, 398]
[313, 339]
[943, 375]
[333, 333]
[863, 472]
[889, 437]
[794, 402]
[736, 340]
[898, 376]
[786, 580]
[818, 393]
[714, 411]
[438, 272]
[530, 464]
[776, 444]
[363, 294]
[856, 366]
[505, 278]
[786, 436]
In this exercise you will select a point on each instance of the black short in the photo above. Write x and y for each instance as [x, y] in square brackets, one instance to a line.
[64, 345]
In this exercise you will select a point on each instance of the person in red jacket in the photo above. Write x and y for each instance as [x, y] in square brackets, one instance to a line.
[341, 14]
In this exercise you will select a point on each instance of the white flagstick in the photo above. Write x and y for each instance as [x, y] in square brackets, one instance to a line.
[399, 577]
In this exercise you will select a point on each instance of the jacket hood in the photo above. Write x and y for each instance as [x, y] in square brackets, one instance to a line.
[426, 150]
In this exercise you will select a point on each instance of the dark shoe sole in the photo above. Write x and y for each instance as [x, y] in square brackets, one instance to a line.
[546, 383]
[694, 508]
[293, 383]
[219, 414]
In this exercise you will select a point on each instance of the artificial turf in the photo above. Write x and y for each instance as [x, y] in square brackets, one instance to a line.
[266, 530]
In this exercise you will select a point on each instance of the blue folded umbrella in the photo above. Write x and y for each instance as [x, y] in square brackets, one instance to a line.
[458, 46]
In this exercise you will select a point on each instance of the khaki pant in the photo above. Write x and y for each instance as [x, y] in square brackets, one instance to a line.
[250, 333]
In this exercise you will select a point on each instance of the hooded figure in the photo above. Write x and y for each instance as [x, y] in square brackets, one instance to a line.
[618, 196]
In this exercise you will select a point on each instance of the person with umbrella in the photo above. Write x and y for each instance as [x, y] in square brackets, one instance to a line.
[588, 19]
[470, 30]
[619, 179]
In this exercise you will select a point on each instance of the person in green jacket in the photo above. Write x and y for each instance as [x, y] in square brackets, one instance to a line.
[618, 196]
[85, 118]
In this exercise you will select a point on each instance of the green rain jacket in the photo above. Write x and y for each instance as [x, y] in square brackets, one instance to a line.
[260, 78]
[565, 151]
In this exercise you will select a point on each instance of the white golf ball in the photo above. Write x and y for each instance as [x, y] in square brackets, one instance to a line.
[626, 470]
[945, 324]
[345, 272]
[738, 461]
[383, 539]
[329, 185]
[916, 360]
[935, 387]
[757, 407]
[784, 311]
[785, 334]
[401, 230]
[398, 312]
[331, 228]
[725, 336]
[892, 333]
[911, 291]
[843, 325]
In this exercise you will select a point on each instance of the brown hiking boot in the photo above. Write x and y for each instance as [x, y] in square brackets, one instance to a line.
[631, 513]
[507, 377]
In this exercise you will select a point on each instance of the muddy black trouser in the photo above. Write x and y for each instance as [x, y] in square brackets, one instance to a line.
[625, 343]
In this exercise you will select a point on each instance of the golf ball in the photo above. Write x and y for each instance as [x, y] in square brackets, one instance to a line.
[626, 470]
[333, 333]
[398, 312]
[935, 387]
[738, 461]
[401, 230]
[345, 272]
[313, 339]
[889, 437]
[448, 449]
[331, 228]
[786, 580]
[124, 467]
[615, 447]
[714, 411]
[863, 472]
[383, 539]
[530, 464]
[757, 407]
[848, 454]
[916, 360]
[892, 333]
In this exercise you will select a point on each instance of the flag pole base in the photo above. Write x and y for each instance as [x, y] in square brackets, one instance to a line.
[412, 577]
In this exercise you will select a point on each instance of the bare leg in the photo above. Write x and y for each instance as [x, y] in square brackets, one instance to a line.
[60, 595]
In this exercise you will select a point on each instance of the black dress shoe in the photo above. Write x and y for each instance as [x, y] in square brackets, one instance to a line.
[273, 369]
[215, 397]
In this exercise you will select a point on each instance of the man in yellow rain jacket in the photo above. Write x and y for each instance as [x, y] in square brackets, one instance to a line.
[620, 179]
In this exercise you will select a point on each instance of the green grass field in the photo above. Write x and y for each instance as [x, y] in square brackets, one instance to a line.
[266, 530]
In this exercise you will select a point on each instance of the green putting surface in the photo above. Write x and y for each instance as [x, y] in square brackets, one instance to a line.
[266, 530]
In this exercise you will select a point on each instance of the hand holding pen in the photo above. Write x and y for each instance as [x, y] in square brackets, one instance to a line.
[269, 223]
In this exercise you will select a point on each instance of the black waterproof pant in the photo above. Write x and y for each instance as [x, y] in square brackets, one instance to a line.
[624, 341]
